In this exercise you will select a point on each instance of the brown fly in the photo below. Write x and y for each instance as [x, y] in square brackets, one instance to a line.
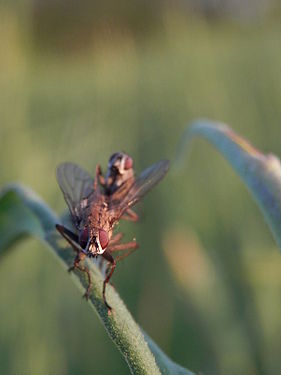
[96, 205]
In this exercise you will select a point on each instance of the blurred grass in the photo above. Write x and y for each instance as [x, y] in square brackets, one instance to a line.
[137, 96]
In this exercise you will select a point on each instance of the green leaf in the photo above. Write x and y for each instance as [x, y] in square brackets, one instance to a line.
[23, 213]
[261, 173]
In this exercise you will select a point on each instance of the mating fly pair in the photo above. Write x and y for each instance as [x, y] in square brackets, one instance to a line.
[96, 205]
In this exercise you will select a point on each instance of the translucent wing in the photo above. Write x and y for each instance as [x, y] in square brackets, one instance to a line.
[76, 185]
[141, 185]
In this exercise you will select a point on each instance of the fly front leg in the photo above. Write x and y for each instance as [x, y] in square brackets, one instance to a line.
[73, 239]
[106, 255]
[70, 237]
[130, 215]
[76, 265]
[130, 246]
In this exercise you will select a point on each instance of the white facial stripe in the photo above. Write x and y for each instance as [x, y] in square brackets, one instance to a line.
[93, 247]
[100, 250]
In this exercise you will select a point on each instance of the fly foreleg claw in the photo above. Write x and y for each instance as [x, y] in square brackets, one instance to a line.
[76, 265]
[109, 308]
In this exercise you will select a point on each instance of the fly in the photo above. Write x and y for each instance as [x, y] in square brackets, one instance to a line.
[119, 170]
[96, 205]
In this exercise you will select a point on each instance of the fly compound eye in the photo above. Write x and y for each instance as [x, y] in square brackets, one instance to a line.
[128, 163]
[84, 237]
[103, 238]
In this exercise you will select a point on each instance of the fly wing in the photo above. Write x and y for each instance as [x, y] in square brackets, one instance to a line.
[142, 185]
[76, 185]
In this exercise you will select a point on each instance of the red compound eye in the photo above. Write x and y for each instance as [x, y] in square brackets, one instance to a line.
[128, 163]
[83, 237]
[103, 238]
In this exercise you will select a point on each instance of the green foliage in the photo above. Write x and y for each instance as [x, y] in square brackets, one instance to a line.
[22, 212]
[261, 173]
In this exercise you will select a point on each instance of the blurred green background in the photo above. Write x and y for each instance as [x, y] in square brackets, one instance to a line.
[80, 80]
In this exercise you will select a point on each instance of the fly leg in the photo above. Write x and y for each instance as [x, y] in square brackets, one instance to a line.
[130, 215]
[123, 246]
[130, 246]
[115, 238]
[70, 237]
[106, 255]
[76, 265]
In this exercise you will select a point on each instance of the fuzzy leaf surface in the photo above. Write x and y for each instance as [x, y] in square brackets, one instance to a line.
[22, 212]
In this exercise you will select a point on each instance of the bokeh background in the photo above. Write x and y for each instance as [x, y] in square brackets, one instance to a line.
[80, 80]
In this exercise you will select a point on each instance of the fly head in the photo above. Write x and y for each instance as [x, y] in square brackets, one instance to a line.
[98, 242]
[119, 170]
